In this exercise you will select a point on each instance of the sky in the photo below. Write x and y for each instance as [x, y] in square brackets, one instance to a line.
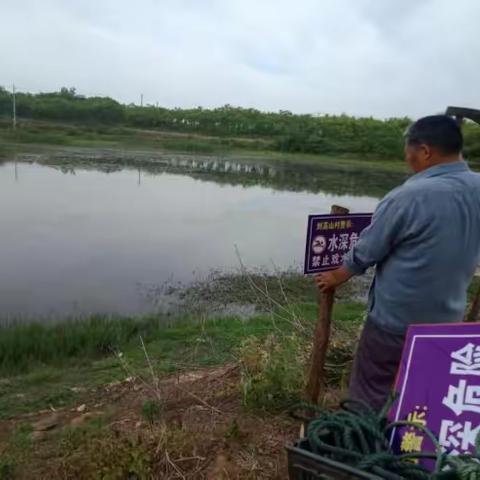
[378, 58]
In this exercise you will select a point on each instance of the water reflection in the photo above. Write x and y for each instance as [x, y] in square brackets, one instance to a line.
[88, 234]
[321, 177]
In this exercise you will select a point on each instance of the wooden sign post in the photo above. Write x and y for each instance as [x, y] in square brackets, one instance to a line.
[316, 377]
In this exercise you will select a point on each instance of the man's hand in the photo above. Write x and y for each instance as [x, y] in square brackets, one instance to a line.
[325, 281]
[328, 280]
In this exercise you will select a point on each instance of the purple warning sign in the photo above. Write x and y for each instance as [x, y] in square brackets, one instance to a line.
[330, 237]
[439, 387]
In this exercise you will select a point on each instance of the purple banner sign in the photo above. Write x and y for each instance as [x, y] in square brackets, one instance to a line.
[330, 237]
[439, 387]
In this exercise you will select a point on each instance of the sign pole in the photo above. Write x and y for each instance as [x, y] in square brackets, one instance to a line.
[316, 377]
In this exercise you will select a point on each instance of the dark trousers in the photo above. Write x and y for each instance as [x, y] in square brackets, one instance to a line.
[375, 365]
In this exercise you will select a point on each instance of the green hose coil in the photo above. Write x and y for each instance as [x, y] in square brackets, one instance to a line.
[358, 436]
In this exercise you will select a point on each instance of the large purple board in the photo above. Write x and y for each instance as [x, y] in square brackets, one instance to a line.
[439, 386]
[330, 237]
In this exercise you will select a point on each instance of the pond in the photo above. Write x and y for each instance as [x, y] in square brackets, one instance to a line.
[82, 235]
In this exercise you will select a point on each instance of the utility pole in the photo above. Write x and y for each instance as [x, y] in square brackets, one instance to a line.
[14, 119]
[141, 99]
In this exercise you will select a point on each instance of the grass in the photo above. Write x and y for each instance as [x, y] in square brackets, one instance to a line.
[71, 135]
[24, 345]
[16, 451]
[71, 438]
[151, 411]
[92, 450]
[30, 133]
[66, 377]
[271, 351]
[43, 366]
[27, 345]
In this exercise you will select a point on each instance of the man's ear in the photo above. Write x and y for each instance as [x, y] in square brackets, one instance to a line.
[425, 152]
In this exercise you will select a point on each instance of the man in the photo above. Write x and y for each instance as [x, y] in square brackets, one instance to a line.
[424, 240]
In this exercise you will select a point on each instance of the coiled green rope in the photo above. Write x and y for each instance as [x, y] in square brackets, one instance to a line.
[358, 436]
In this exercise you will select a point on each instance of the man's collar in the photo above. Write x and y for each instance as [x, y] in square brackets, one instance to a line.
[442, 169]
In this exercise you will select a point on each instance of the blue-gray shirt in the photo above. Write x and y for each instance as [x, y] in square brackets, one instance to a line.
[425, 242]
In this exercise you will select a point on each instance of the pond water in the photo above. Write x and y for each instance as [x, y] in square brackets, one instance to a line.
[87, 237]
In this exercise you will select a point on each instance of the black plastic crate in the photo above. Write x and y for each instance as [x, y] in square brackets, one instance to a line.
[306, 465]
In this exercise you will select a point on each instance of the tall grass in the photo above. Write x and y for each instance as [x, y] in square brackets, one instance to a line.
[23, 346]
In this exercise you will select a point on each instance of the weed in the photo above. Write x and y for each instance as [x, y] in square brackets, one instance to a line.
[16, 452]
[272, 371]
[71, 438]
[7, 468]
[234, 432]
[109, 457]
[151, 411]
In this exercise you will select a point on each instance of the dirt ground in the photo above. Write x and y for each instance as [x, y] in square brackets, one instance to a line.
[191, 426]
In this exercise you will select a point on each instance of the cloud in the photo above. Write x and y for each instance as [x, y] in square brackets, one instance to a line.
[362, 57]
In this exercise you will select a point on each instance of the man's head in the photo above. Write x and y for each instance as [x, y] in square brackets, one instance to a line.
[431, 141]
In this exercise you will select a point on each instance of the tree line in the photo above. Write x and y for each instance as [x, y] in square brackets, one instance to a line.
[288, 132]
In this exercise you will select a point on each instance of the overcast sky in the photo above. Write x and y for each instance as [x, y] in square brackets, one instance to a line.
[360, 57]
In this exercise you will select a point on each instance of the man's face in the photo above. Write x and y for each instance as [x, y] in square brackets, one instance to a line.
[418, 157]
